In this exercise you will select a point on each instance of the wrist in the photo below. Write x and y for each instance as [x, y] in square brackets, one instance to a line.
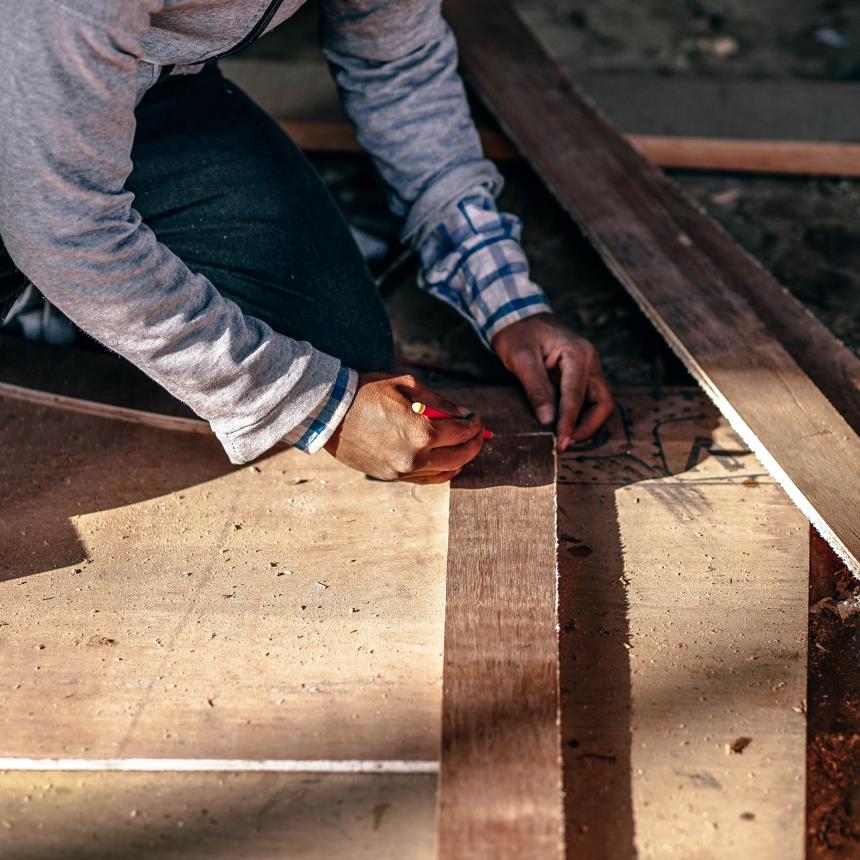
[516, 328]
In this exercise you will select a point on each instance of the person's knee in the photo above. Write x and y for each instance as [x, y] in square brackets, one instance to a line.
[378, 352]
[366, 342]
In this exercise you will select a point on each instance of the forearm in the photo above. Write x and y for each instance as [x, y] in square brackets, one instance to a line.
[409, 108]
[69, 225]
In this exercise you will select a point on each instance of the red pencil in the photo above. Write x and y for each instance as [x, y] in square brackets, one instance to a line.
[430, 412]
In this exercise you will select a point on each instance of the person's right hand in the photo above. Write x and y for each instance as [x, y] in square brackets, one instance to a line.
[382, 437]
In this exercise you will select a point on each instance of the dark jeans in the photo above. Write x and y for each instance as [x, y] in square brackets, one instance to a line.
[231, 195]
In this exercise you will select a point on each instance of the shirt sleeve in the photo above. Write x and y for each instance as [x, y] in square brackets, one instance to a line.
[474, 262]
[69, 73]
[395, 65]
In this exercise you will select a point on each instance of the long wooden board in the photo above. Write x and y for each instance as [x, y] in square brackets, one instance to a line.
[500, 770]
[792, 157]
[683, 572]
[636, 217]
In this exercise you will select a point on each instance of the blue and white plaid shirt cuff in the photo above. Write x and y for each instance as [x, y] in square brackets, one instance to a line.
[474, 262]
[312, 433]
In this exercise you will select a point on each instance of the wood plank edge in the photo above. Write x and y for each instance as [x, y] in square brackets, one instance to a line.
[169, 765]
[743, 430]
[560, 794]
[729, 155]
[104, 410]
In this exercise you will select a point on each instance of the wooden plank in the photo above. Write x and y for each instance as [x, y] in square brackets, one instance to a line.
[161, 604]
[620, 201]
[220, 816]
[791, 157]
[157, 421]
[500, 776]
[645, 103]
[683, 619]
[85, 374]
[90, 382]
[107, 386]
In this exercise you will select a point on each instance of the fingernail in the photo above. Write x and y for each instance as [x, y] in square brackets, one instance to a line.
[545, 413]
[465, 411]
[564, 443]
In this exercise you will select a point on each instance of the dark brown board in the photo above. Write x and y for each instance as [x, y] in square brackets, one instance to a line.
[500, 790]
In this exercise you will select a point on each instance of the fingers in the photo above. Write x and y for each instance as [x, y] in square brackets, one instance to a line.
[529, 368]
[452, 432]
[601, 406]
[433, 478]
[575, 369]
[447, 431]
[451, 457]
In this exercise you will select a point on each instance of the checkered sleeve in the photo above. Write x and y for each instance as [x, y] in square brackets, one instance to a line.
[474, 262]
[312, 433]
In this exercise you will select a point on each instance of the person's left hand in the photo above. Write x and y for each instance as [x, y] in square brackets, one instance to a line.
[580, 401]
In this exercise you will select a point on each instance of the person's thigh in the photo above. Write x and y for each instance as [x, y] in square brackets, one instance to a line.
[12, 282]
[230, 194]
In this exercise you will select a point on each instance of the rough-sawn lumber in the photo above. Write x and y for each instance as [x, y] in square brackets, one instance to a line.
[701, 291]
[500, 790]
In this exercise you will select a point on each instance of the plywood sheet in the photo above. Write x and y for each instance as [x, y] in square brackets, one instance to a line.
[159, 603]
[216, 816]
[683, 617]
[102, 521]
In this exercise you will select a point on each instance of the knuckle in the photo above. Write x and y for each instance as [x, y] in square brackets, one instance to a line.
[409, 380]
[422, 437]
[403, 463]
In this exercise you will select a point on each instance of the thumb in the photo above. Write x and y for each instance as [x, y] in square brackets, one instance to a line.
[529, 368]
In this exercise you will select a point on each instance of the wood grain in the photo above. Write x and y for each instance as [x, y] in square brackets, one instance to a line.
[683, 620]
[159, 603]
[500, 775]
[792, 157]
[215, 816]
[630, 212]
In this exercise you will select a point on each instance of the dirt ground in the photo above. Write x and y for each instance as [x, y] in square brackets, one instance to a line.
[738, 38]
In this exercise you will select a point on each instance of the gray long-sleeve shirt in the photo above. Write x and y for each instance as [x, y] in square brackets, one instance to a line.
[71, 73]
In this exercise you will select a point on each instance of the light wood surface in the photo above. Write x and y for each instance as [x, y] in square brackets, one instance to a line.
[793, 157]
[107, 541]
[159, 603]
[500, 770]
[683, 571]
[620, 202]
[220, 816]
